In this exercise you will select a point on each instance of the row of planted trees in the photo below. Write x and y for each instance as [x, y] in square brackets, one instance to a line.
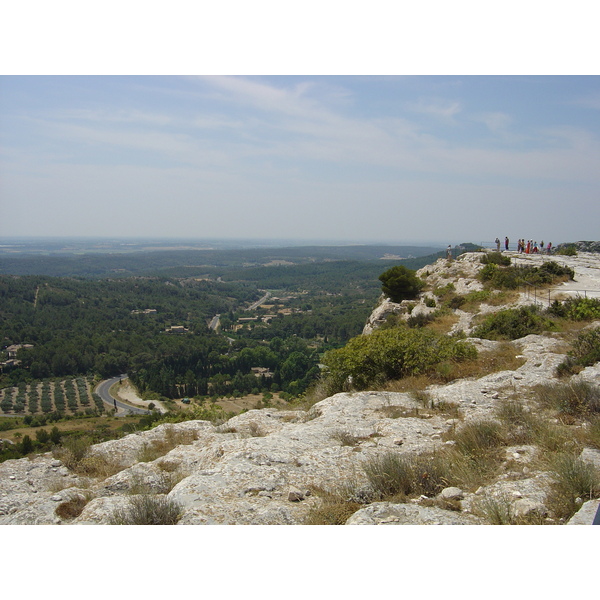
[71, 394]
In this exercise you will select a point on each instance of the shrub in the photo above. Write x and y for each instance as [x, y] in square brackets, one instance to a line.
[400, 283]
[75, 455]
[507, 278]
[42, 436]
[513, 276]
[567, 250]
[576, 309]
[55, 435]
[586, 348]
[73, 451]
[148, 510]
[550, 271]
[456, 302]
[420, 320]
[512, 324]
[496, 258]
[446, 292]
[388, 354]
[26, 445]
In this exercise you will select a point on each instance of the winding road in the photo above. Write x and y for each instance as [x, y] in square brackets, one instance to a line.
[103, 390]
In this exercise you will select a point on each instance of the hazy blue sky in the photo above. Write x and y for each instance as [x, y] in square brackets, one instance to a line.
[396, 159]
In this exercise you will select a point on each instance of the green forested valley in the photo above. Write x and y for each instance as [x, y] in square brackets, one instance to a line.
[224, 327]
[157, 329]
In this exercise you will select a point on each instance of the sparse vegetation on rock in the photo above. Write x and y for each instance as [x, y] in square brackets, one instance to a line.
[426, 428]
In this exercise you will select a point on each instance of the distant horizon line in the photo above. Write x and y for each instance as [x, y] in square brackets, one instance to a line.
[9, 240]
[184, 239]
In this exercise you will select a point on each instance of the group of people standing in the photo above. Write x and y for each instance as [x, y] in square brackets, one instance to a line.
[529, 247]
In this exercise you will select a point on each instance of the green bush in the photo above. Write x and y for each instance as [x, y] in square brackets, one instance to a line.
[576, 309]
[420, 320]
[586, 348]
[513, 323]
[513, 276]
[585, 353]
[387, 354]
[496, 258]
[400, 283]
[446, 292]
[567, 250]
[505, 278]
[456, 302]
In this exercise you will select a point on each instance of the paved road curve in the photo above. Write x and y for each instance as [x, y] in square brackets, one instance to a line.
[103, 391]
[259, 302]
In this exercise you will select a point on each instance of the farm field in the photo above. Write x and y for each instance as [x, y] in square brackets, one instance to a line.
[68, 396]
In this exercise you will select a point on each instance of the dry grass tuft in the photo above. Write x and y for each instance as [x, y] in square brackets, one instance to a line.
[574, 480]
[443, 323]
[338, 503]
[173, 438]
[575, 398]
[148, 510]
[477, 438]
[346, 438]
[75, 454]
[331, 512]
[255, 430]
[71, 509]
[161, 485]
[591, 434]
[519, 423]
[496, 510]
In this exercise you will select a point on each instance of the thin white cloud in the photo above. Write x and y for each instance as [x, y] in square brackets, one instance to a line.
[265, 97]
[496, 122]
[115, 116]
[438, 109]
[282, 133]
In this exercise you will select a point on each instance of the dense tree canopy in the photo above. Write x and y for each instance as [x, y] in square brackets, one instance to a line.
[400, 283]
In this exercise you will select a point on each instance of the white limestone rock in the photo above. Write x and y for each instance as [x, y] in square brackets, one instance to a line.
[585, 515]
[452, 493]
[387, 513]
